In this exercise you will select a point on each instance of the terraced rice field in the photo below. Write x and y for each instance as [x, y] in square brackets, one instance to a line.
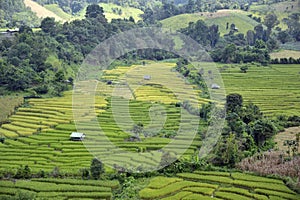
[38, 133]
[275, 89]
[216, 185]
[59, 188]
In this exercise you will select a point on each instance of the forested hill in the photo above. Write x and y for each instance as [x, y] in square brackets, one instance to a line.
[13, 13]
[45, 61]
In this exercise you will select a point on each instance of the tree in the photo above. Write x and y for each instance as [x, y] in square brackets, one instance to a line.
[96, 168]
[94, 11]
[244, 68]
[138, 129]
[262, 130]
[251, 113]
[85, 173]
[259, 32]
[250, 37]
[213, 35]
[293, 24]
[228, 54]
[283, 36]
[48, 25]
[230, 154]
[270, 21]
[234, 103]
[227, 151]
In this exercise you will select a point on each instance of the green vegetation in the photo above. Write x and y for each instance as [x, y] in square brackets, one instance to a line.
[273, 88]
[43, 12]
[113, 11]
[285, 54]
[208, 187]
[8, 105]
[220, 18]
[14, 13]
[60, 188]
[39, 160]
[282, 10]
[58, 11]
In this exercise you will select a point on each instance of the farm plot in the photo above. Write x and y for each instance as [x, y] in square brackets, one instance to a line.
[45, 126]
[275, 89]
[60, 188]
[43, 114]
[45, 146]
[216, 185]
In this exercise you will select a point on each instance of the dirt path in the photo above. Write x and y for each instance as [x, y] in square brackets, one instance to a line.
[41, 11]
[288, 134]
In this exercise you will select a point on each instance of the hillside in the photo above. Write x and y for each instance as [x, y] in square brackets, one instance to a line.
[14, 13]
[41, 11]
[113, 11]
[221, 17]
[281, 9]
[58, 11]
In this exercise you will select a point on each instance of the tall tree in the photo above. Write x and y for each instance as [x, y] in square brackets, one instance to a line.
[234, 103]
[96, 168]
[270, 21]
[94, 11]
[262, 130]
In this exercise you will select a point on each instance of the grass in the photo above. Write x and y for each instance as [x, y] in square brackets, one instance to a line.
[285, 54]
[8, 105]
[278, 8]
[221, 17]
[58, 11]
[126, 12]
[41, 11]
[287, 134]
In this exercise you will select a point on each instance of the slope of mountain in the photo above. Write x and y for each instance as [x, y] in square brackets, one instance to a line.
[13, 13]
[41, 11]
[221, 17]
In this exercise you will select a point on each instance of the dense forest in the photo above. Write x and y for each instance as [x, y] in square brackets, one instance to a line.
[46, 60]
